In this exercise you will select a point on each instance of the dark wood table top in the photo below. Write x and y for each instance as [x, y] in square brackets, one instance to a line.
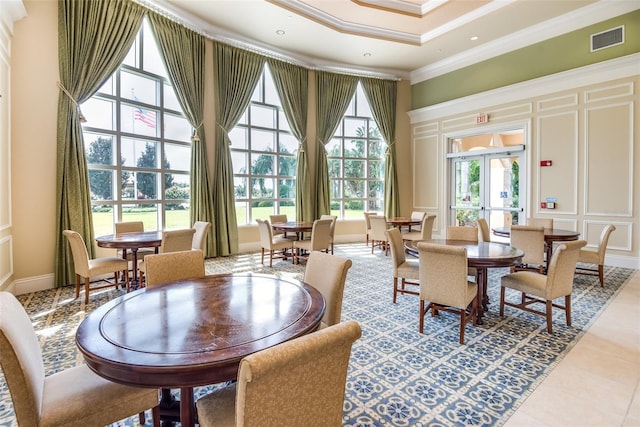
[403, 221]
[130, 240]
[479, 255]
[293, 226]
[550, 234]
[195, 332]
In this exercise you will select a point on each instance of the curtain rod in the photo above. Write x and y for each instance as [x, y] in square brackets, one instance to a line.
[174, 14]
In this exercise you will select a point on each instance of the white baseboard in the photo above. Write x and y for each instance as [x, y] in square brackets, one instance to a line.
[33, 284]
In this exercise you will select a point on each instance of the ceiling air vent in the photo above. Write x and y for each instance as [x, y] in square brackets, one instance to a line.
[605, 39]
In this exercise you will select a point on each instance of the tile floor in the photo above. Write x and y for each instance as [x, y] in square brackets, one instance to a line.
[597, 383]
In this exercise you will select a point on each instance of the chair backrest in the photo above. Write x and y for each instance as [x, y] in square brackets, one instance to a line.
[79, 251]
[604, 241]
[170, 266]
[328, 274]
[469, 234]
[540, 222]
[277, 218]
[367, 222]
[200, 236]
[321, 234]
[21, 361]
[484, 235]
[561, 269]
[398, 255]
[418, 216]
[426, 228]
[306, 375]
[129, 227]
[266, 233]
[443, 274]
[378, 227]
[531, 240]
[177, 240]
[333, 219]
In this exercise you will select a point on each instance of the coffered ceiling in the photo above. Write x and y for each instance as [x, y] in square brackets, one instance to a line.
[413, 39]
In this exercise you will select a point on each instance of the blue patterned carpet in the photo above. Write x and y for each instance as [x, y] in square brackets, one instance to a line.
[397, 376]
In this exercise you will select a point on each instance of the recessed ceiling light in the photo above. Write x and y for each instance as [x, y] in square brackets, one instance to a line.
[366, 54]
[280, 32]
[474, 38]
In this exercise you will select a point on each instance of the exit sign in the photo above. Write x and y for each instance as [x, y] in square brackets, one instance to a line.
[482, 118]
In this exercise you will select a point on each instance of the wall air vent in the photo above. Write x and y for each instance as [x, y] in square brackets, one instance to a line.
[605, 39]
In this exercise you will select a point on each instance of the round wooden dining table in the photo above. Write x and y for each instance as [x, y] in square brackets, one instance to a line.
[194, 332]
[481, 256]
[298, 227]
[402, 222]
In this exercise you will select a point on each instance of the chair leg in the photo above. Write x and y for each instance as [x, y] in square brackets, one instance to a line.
[116, 277]
[270, 258]
[502, 302]
[86, 290]
[142, 419]
[549, 315]
[462, 325]
[422, 313]
[262, 257]
[567, 309]
[77, 285]
[155, 413]
[601, 275]
[395, 289]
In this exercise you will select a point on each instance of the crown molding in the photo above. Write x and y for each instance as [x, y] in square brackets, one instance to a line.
[626, 66]
[11, 11]
[572, 21]
[406, 7]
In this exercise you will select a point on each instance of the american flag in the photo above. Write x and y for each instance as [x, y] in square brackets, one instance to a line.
[147, 117]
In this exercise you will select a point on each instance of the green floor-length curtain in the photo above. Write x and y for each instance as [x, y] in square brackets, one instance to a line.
[237, 74]
[93, 39]
[334, 92]
[292, 84]
[382, 96]
[183, 53]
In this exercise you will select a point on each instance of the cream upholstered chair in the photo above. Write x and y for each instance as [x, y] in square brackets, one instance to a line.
[469, 234]
[297, 383]
[170, 266]
[277, 247]
[132, 227]
[328, 274]
[69, 398]
[320, 240]
[199, 240]
[403, 268]
[531, 240]
[540, 222]
[378, 235]
[484, 235]
[540, 288]
[273, 219]
[367, 224]
[589, 256]
[333, 219]
[417, 216]
[87, 268]
[425, 231]
[443, 282]
[172, 241]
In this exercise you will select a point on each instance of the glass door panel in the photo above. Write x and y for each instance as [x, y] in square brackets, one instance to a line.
[503, 196]
[467, 201]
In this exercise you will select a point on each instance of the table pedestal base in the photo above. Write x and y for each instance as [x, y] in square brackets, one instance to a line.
[173, 410]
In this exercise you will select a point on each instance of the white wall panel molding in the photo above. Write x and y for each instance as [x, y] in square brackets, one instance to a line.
[559, 144]
[608, 92]
[427, 128]
[609, 192]
[563, 101]
[427, 172]
[601, 72]
[565, 224]
[6, 259]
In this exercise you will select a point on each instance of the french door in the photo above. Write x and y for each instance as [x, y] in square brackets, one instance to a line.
[487, 184]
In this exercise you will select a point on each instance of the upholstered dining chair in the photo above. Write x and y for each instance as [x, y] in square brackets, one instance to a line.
[86, 268]
[132, 227]
[539, 288]
[333, 219]
[540, 222]
[531, 240]
[200, 235]
[172, 241]
[425, 231]
[297, 383]
[276, 219]
[74, 397]
[367, 224]
[378, 234]
[466, 233]
[417, 216]
[407, 270]
[170, 266]
[320, 240]
[443, 282]
[277, 247]
[589, 256]
[484, 235]
[328, 274]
